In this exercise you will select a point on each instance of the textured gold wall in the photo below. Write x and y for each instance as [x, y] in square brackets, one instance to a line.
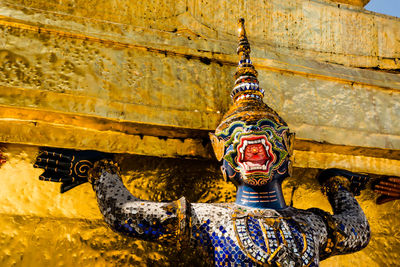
[41, 227]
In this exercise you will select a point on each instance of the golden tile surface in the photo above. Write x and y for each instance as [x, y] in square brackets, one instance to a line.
[41, 227]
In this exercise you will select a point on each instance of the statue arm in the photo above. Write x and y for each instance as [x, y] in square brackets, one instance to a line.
[347, 229]
[122, 211]
[126, 214]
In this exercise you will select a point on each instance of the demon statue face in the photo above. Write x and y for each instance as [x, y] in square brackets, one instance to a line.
[256, 152]
[252, 140]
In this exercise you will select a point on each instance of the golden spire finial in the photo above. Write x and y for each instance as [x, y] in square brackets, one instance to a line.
[246, 83]
[243, 49]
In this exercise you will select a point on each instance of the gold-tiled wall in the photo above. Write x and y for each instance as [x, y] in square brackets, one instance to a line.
[41, 227]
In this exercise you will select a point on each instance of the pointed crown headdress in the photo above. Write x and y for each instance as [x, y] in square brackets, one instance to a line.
[247, 96]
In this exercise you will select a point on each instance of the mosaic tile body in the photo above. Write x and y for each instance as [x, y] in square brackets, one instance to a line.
[232, 235]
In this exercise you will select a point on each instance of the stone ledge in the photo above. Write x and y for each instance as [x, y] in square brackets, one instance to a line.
[93, 97]
[364, 39]
[220, 52]
[307, 154]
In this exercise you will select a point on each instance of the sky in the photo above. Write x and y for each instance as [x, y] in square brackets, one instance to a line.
[388, 7]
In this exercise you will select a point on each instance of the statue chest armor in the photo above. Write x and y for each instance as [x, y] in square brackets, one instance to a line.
[256, 238]
[275, 241]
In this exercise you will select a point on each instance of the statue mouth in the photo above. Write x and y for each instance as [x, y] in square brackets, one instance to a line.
[255, 154]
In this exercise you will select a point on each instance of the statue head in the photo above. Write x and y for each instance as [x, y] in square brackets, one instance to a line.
[252, 141]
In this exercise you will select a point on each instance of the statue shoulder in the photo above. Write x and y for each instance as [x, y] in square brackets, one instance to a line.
[211, 210]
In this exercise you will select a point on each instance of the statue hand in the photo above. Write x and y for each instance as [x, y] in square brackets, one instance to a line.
[389, 188]
[354, 182]
[70, 167]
